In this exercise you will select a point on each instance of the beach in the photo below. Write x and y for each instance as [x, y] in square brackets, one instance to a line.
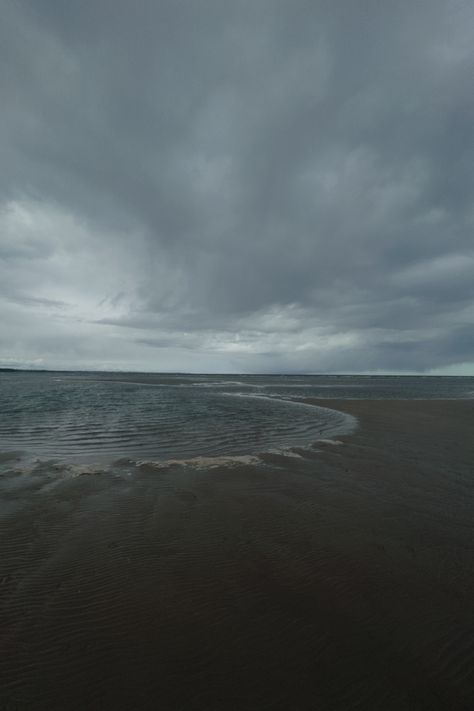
[340, 577]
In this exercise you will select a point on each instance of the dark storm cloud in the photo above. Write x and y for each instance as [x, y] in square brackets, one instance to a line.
[265, 185]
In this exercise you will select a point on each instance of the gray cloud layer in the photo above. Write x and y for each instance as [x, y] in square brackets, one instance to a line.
[237, 186]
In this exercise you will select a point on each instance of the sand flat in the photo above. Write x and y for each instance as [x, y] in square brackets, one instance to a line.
[336, 580]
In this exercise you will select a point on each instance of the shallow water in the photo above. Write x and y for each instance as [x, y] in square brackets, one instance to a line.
[99, 417]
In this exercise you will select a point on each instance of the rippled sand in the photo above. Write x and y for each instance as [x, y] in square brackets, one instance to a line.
[339, 579]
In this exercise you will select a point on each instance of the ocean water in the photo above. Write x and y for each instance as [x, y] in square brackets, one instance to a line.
[101, 417]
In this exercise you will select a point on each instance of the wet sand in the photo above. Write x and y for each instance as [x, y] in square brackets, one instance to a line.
[343, 579]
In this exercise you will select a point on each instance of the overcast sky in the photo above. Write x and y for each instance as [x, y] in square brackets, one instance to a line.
[237, 185]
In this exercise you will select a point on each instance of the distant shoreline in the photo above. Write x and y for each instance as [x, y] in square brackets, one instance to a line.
[227, 375]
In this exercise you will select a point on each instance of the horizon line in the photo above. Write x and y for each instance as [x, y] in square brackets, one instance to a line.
[19, 369]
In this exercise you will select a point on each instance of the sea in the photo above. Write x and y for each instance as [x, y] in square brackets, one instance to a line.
[84, 417]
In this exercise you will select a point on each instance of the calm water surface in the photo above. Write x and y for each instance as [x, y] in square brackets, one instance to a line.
[102, 416]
